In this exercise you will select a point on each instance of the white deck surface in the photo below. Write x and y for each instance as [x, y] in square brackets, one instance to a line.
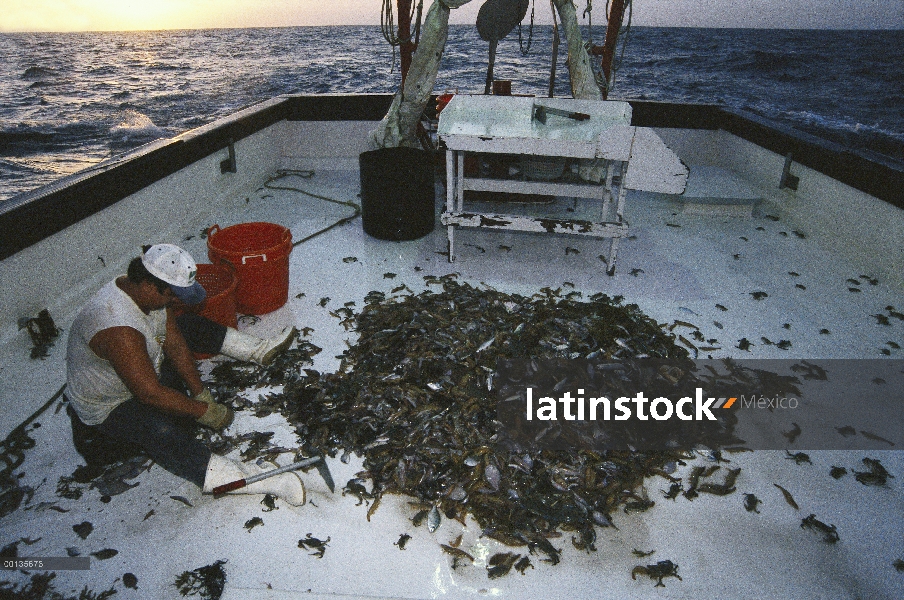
[722, 550]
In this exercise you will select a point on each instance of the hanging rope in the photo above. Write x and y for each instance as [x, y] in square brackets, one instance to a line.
[388, 26]
[530, 34]
[616, 66]
[555, 49]
[588, 14]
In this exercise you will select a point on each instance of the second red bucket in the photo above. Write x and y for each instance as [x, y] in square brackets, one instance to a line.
[259, 252]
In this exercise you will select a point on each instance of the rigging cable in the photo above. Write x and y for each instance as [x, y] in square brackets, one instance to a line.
[611, 83]
[530, 32]
[388, 28]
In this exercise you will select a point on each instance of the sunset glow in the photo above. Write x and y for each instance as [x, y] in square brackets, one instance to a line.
[127, 15]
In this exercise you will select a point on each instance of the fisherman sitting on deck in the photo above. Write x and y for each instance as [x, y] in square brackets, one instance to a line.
[129, 356]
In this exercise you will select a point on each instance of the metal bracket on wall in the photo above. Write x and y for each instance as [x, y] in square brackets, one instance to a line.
[788, 180]
[228, 165]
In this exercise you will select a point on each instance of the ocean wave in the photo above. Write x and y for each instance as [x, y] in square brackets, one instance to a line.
[134, 125]
[37, 73]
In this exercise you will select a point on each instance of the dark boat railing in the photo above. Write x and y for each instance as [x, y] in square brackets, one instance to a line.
[30, 217]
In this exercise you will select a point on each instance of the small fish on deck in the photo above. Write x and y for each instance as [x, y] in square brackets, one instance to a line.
[788, 497]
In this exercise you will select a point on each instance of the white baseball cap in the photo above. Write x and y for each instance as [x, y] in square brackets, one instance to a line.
[176, 267]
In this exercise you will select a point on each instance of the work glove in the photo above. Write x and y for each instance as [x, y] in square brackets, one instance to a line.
[218, 416]
[205, 396]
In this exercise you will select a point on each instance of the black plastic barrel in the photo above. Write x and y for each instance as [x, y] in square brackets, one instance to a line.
[397, 195]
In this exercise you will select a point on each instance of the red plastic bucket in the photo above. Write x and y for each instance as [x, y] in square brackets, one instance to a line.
[219, 282]
[259, 253]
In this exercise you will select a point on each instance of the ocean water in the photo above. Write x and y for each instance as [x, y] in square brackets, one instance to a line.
[70, 100]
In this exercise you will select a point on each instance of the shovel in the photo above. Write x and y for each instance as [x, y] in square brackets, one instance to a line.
[539, 113]
[318, 460]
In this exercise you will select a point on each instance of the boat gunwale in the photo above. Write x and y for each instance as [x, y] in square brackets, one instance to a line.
[42, 212]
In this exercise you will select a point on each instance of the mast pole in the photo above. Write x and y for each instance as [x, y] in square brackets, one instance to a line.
[616, 12]
[406, 46]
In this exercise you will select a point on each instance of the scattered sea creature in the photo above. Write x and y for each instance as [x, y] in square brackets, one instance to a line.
[522, 564]
[875, 438]
[799, 234]
[433, 519]
[824, 332]
[457, 552]
[751, 502]
[721, 489]
[389, 275]
[744, 344]
[898, 564]
[252, 523]
[786, 325]
[207, 582]
[662, 569]
[636, 272]
[788, 497]
[800, 286]
[568, 250]
[881, 319]
[403, 539]
[720, 307]
[505, 248]
[673, 225]
[83, 529]
[105, 553]
[500, 564]
[323, 301]
[799, 457]
[793, 273]
[183, 500]
[312, 543]
[853, 289]
[674, 490]
[350, 259]
[876, 476]
[793, 434]
[759, 295]
[641, 553]
[846, 431]
[130, 581]
[419, 517]
[838, 472]
[269, 502]
[149, 514]
[830, 532]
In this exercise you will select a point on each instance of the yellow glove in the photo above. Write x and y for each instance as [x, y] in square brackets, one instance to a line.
[205, 396]
[218, 416]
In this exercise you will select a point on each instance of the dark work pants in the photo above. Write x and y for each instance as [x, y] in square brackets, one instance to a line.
[168, 439]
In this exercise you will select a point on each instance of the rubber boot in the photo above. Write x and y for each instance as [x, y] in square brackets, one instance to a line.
[254, 349]
[287, 486]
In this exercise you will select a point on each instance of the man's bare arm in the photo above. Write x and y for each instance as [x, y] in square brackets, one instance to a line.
[126, 349]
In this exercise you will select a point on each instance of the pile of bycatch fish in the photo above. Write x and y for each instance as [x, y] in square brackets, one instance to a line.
[412, 397]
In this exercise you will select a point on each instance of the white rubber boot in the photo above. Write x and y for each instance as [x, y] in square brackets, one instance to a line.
[287, 486]
[254, 349]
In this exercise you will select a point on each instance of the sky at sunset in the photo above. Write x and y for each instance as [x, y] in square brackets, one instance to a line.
[118, 15]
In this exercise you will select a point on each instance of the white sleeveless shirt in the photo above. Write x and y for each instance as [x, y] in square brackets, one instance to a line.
[91, 382]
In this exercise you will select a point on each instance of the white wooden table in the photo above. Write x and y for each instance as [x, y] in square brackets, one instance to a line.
[504, 125]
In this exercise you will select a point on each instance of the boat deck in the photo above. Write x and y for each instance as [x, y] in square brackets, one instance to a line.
[676, 264]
